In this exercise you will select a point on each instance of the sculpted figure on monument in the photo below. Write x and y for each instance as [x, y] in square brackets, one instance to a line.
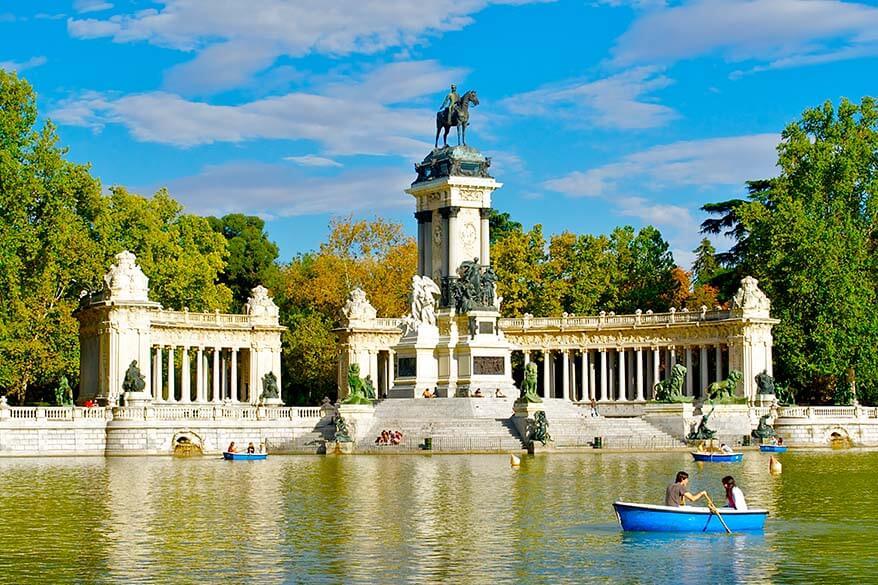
[424, 293]
[764, 430]
[455, 114]
[269, 386]
[134, 380]
[63, 393]
[702, 433]
[356, 387]
[357, 307]
[529, 385]
[725, 387]
[539, 428]
[765, 383]
[670, 389]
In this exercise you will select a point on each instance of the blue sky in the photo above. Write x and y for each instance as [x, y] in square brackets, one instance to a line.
[597, 113]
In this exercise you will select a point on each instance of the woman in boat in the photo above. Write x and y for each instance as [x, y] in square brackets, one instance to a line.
[734, 495]
[232, 448]
[725, 449]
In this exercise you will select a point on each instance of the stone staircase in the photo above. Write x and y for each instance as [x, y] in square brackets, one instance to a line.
[453, 424]
[570, 426]
[485, 424]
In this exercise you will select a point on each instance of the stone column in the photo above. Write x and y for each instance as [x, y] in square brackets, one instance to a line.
[234, 375]
[171, 389]
[424, 241]
[702, 365]
[672, 360]
[623, 382]
[451, 236]
[200, 391]
[391, 360]
[373, 366]
[719, 362]
[216, 375]
[587, 376]
[573, 394]
[158, 390]
[547, 364]
[185, 377]
[603, 352]
[526, 357]
[638, 355]
[656, 362]
[688, 371]
[485, 248]
[565, 374]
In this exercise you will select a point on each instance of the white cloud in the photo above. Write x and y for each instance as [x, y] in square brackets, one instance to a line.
[617, 101]
[24, 65]
[280, 191]
[352, 120]
[699, 163]
[309, 160]
[764, 30]
[220, 30]
[654, 213]
[83, 6]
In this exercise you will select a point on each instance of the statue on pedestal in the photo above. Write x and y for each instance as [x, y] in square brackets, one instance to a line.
[764, 430]
[269, 386]
[356, 387]
[529, 386]
[765, 383]
[671, 389]
[702, 433]
[63, 393]
[134, 381]
[725, 387]
[539, 428]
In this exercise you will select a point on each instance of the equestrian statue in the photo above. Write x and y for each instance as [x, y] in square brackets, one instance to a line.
[454, 112]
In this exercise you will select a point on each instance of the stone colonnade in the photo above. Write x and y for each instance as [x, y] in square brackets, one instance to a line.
[183, 356]
[624, 374]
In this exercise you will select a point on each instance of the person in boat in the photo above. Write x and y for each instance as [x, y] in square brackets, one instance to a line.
[734, 495]
[778, 441]
[232, 448]
[725, 449]
[678, 492]
[251, 448]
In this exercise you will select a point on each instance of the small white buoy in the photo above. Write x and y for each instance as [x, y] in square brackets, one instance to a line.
[774, 466]
[514, 461]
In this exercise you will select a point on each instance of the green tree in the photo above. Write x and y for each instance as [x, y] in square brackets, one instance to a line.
[46, 254]
[501, 224]
[518, 260]
[809, 235]
[705, 267]
[180, 253]
[252, 255]
[644, 268]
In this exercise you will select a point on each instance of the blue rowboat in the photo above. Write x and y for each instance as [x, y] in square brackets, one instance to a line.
[718, 457]
[244, 456]
[651, 518]
[773, 448]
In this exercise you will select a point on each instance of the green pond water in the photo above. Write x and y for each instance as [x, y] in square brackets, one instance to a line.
[425, 519]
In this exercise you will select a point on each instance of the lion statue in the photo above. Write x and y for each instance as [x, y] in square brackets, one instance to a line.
[725, 387]
[529, 385]
[357, 392]
[671, 388]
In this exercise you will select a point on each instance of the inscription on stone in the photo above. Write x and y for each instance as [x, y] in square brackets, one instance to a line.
[406, 367]
[489, 366]
[486, 328]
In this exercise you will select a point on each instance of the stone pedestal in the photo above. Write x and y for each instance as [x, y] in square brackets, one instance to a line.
[522, 413]
[482, 355]
[136, 399]
[416, 365]
[765, 399]
[359, 418]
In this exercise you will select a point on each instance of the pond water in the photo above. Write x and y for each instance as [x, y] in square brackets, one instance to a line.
[420, 518]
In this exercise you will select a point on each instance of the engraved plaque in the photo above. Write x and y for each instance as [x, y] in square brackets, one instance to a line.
[486, 328]
[489, 366]
[406, 367]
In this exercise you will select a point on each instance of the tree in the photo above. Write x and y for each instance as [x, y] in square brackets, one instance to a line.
[518, 261]
[180, 253]
[251, 259]
[46, 254]
[705, 267]
[681, 289]
[809, 235]
[643, 274]
[501, 225]
[374, 255]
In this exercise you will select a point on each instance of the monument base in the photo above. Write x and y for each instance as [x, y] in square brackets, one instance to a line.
[359, 420]
[416, 365]
[136, 399]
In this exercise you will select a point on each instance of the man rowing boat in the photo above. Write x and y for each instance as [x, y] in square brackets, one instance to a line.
[678, 492]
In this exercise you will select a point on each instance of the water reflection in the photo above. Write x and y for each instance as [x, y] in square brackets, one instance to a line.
[454, 519]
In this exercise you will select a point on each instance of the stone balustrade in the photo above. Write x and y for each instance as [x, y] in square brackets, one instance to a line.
[611, 320]
[162, 413]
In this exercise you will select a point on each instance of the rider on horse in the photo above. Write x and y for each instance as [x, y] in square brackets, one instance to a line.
[451, 101]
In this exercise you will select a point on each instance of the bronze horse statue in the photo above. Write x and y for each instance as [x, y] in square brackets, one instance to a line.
[459, 118]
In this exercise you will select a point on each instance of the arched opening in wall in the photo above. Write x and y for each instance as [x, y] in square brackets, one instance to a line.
[839, 439]
[186, 444]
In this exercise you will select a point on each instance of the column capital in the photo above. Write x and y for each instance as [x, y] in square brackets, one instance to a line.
[425, 216]
[485, 212]
[450, 211]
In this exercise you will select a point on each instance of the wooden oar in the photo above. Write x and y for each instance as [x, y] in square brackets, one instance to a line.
[713, 509]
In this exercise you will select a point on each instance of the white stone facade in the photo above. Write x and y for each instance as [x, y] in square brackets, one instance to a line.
[184, 356]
